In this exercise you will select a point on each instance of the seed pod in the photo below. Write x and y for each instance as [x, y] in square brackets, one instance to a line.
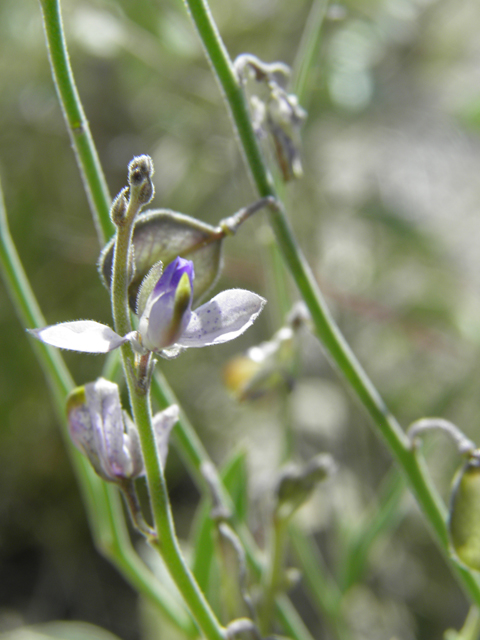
[464, 520]
[162, 235]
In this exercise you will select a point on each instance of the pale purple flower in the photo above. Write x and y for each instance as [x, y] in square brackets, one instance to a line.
[167, 323]
[107, 435]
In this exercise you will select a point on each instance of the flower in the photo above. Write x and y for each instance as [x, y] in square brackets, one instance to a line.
[107, 435]
[168, 308]
[167, 322]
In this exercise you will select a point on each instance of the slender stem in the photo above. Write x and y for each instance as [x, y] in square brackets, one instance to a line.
[90, 168]
[135, 509]
[323, 590]
[167, 543]
[308, 49]
[385, 513]
[333, 341]
[134, 570]
[99, 198]
[105, 514]
[274, 572]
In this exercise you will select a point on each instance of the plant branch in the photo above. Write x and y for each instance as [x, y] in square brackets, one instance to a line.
[77, 125]
[328, 332]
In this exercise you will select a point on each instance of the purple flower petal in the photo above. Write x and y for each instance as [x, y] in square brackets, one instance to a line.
[162, 323]
[171, 276]
[225, 317]
[80, 335]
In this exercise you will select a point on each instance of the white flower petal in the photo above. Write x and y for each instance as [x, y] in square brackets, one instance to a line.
[131, 443]
[162, 425]
[103, 402]
[80, 335]
[225, 317]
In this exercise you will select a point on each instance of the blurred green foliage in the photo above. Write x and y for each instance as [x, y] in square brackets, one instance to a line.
[387, 213]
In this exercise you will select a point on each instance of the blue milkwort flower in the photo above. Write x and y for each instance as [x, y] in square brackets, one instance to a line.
[108, 436]
[167, 323]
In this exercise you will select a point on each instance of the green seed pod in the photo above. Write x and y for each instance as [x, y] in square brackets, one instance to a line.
[464, 521]
[162, 235]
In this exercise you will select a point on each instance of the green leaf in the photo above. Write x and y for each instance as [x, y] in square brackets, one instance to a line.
[203, 545]
[235, 478]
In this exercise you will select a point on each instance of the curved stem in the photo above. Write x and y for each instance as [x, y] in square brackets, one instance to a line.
[329, 334]
[87, 159]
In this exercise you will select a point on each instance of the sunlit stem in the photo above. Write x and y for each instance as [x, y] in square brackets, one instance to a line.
[166, 542]
[327, 331]
[195, 456]
[307, 52]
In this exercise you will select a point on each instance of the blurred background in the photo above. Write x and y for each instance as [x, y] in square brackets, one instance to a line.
[387, 213]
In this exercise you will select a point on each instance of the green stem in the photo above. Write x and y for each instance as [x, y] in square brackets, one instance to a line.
[274, 572]
[134, 570]
[195, 456]
[90, 168]
[329, 334]
[323, 590]
[104, 511]
[167, 543]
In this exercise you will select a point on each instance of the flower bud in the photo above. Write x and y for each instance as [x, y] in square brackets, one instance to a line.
[119, 206]
[140, 172]
[279, 115]
[108, 436]
[103, 432]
